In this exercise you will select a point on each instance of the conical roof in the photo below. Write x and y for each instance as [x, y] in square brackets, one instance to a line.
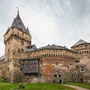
[17, 23]
[79, 42]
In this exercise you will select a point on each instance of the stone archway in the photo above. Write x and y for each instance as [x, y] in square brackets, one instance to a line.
[60, 81]
[81, 80]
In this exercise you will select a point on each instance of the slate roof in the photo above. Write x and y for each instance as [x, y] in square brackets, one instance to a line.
[79, 42]
[52, 47]
[2, 57]
[17, 23]
[56, 47]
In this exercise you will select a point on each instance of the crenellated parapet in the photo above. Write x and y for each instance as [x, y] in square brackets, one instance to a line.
[51, 53]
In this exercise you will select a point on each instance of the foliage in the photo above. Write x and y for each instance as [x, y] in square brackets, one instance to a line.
[83, 85]
[18, 77]
[21, 86]
[3, 80]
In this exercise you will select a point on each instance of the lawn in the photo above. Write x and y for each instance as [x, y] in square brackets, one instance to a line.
[34, 86]
[84, 85]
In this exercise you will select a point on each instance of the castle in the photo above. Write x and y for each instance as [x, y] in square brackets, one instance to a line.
[51, 63]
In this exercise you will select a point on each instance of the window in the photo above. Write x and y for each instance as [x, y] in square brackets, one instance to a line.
[22, 43]
[55, 75]
[59, 75]
[8, 68]
[13, 52]
[22, 51]
[40, 74]
[73, 75]
[8, 50]
[77, 61]
[82, 69]
[85, 46]
[21, 29]
[20, 68]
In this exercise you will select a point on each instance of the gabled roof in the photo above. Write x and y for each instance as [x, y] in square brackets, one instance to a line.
[79, 42]
[17, 23]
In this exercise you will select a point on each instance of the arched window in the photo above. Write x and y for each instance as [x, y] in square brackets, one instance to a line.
[22, 51]
[19, 23]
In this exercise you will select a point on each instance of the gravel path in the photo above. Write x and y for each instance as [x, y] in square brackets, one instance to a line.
[76, 87]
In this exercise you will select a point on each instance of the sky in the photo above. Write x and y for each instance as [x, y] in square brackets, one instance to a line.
[60, 22]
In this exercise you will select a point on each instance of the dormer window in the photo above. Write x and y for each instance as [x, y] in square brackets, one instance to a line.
[22, 33]
[21, 29]
[19, 23]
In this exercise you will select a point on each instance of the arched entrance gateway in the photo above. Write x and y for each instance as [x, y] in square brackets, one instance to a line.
[60, 81]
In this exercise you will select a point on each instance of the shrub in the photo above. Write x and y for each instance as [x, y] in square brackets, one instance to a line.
[21, 86]
[3, 80]
[18, 77]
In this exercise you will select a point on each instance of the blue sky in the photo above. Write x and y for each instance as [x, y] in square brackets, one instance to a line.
[61, 22]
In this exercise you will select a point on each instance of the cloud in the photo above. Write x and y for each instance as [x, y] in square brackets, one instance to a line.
[61, 22]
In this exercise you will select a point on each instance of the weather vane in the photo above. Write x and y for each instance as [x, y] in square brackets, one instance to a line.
[17, 10]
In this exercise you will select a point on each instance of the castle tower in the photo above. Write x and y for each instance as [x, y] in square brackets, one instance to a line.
[16, 38]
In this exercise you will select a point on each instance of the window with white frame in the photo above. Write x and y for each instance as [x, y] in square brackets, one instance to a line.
[82, 69]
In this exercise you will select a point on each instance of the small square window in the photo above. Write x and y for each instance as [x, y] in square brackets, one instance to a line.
[55, 75]
[82, 69]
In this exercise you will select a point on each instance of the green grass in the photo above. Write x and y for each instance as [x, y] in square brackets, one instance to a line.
[36, 86]
[83, 85]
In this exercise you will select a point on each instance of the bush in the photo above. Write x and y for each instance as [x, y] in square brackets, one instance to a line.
[18, 77]
[3, 80]
[21, 86]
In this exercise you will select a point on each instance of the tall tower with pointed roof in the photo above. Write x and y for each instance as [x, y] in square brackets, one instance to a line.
[16, 39]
